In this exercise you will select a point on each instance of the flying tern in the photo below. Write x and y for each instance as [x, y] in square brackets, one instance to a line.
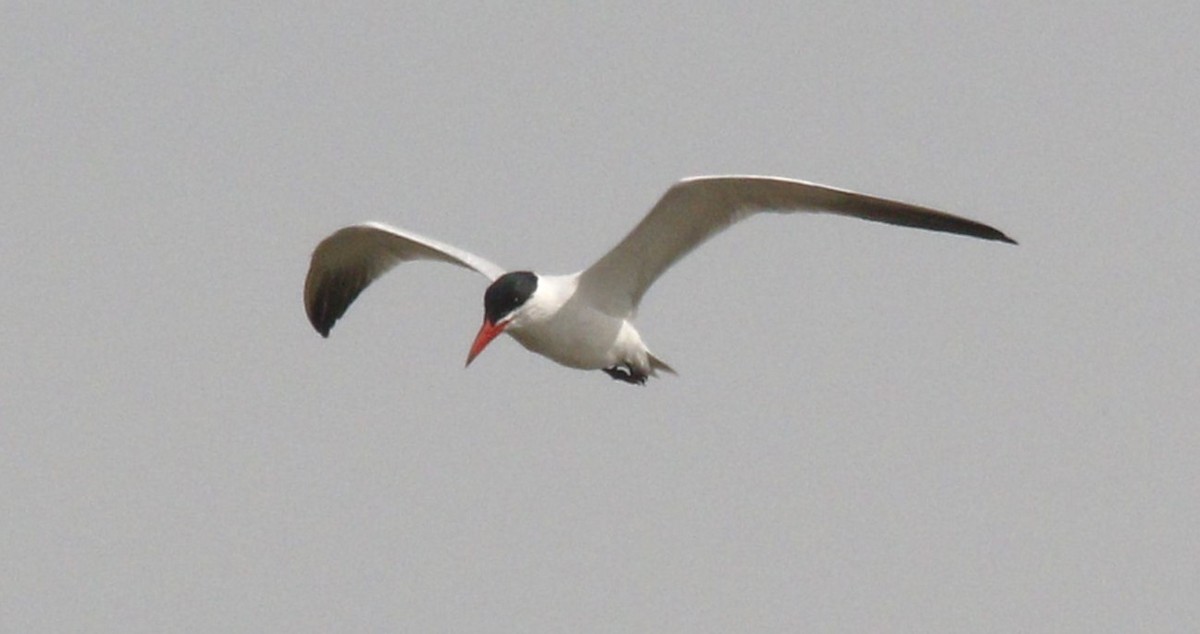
[584, 320]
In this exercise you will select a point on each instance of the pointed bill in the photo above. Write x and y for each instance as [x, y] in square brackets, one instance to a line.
[487, 332]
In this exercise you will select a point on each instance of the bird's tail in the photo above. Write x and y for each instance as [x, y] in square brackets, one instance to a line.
[657, 364]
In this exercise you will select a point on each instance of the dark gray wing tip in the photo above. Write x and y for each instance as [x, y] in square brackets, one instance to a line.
[953, 224]
[327, 298]
[999, 236]
[320, 317]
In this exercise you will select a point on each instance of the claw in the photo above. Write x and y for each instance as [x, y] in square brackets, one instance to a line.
[627, 374]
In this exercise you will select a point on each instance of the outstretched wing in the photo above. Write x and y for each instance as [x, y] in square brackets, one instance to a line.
[351, 258]
[696, 209]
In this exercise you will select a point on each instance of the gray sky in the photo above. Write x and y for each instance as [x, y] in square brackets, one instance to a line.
[874, 428]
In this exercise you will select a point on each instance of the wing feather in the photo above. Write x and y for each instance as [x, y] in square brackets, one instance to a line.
[346, 262]
[695, 209]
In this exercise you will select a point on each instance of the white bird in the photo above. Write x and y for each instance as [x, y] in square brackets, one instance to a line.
[583, 320]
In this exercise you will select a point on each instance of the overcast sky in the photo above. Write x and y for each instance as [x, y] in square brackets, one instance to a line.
[874, 429]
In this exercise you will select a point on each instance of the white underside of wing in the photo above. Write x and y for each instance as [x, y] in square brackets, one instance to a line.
[347, 261]
[391, 245]
[695, 209]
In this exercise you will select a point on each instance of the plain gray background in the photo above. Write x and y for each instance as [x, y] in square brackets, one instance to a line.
[874, 429]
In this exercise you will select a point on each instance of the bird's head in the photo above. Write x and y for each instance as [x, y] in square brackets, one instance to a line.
[502, 304]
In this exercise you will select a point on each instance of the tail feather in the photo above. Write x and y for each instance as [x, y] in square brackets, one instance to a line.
[657, 364]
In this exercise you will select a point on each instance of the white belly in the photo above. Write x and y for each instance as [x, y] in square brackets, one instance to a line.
[584, 339]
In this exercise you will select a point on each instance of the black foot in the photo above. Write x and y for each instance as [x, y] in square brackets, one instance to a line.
[627, 374]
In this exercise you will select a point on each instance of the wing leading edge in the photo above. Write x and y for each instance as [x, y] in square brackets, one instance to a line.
[695, 209]
[345, 263]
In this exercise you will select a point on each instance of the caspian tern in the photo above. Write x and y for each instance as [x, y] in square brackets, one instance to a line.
[583, 320]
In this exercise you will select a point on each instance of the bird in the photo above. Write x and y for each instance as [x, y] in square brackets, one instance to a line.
[584, 320]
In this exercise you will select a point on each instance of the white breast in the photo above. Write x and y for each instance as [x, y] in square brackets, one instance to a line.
[561, 326]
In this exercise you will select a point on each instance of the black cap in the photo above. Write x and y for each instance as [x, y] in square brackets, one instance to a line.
[508, 293]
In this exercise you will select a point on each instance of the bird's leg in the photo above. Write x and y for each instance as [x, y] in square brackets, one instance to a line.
[627, 374]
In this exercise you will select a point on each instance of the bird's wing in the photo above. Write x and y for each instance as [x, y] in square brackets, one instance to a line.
[695, 209]
[351, 258]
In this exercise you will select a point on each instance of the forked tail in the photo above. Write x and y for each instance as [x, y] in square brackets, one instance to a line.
[657, 364]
